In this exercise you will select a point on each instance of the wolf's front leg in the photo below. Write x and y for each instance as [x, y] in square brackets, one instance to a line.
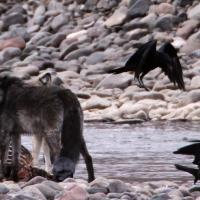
[36, 144]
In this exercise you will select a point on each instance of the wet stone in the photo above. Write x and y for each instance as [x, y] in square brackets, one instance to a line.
[3, 189]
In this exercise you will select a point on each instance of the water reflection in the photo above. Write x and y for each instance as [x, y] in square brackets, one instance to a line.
[137, 152]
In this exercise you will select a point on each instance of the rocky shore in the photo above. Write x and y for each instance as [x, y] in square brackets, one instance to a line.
[79, 41]
[100, 189]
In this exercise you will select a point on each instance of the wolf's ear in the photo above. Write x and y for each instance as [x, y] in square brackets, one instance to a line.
[45, 79]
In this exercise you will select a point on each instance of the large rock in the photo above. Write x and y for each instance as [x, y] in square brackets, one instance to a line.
[187, 28]
[74, 193]
[117, 186]
[13, 18]
[96, 102]
[59, 21]
[139, 8]
[9, 53]
[165, 23]
[17, 42]
[30, 192]
[193, 43]
[116, 81]
[194, 13]
[165, 8]
[118, 17]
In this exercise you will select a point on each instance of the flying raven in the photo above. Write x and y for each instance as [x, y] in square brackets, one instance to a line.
[147, 58]
[193, 171]
[192, 149]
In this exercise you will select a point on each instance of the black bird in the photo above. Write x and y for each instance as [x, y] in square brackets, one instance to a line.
[147, 58]
[193, 171]
[193, 149]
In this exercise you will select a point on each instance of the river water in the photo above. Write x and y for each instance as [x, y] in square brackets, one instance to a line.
[137, 152]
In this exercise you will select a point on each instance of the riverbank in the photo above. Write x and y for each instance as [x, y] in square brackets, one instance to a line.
[78, 41]
[100, 189]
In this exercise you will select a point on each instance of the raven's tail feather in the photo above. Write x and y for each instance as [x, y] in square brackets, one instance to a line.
[118, 70]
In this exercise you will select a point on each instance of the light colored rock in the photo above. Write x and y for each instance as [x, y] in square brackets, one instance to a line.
[193, 43]
[165, 8]
[31, 191]
[77, 35]
[187, 28]
[118, 17]
[138, 115]
[181, 113]
[194, 13]
[178, 42]
[59, 21]
[95, 102]
[143, 105]
[17, 42]
[117, 186]
[3, 188]
[195, 82]
[74, 193]
[116, 81]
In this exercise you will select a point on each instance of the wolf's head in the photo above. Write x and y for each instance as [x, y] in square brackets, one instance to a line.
[63, 168]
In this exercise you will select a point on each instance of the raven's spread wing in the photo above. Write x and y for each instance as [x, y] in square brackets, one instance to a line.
[193, 171]
[137, 59]
[169, 63]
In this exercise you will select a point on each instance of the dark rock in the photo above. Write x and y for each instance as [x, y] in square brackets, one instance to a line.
[71, 65]
[13, 18]
[68, 50]
[95, 58]
[117, 186]
[183, 2]
[56, 39]
[165, 23]
[133, 25]
[78, 53]
[105, 5]
[91, 4]
[139, 8]
[94, 190]
[19, 32]
[59, 21]
[161, 196]
[47, 191]
[16, 8]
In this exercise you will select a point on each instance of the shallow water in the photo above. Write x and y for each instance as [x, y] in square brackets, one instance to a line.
[137, 152]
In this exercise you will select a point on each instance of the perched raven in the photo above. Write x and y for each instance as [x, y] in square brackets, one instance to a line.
[193, 149]
[147, 58]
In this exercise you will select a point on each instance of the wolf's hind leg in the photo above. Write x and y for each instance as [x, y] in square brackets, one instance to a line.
[88, 160]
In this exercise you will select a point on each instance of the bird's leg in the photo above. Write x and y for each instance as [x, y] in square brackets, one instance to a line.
[142, 84]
